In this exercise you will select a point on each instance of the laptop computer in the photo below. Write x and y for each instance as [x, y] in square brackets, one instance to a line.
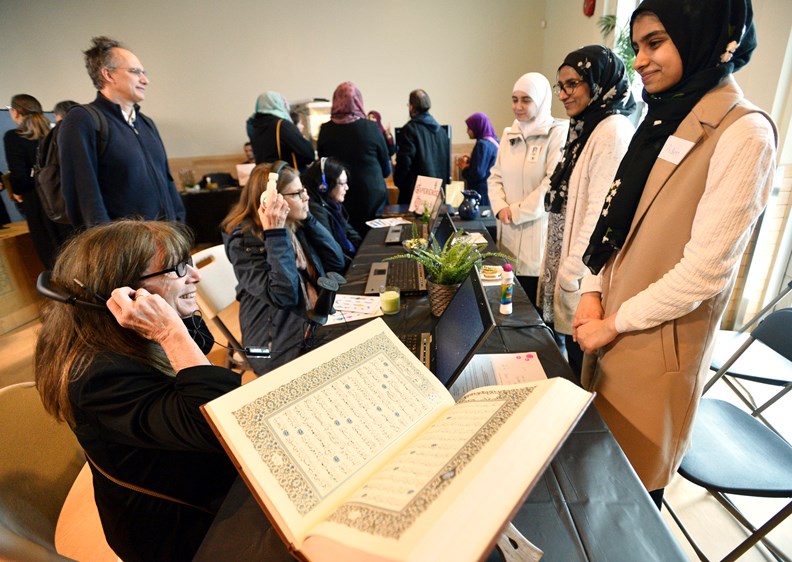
[398, 233]
[408, 275]
[447, 349]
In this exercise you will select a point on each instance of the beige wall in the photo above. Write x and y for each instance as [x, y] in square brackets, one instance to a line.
[209, 60]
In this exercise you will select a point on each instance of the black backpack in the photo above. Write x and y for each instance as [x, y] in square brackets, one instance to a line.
[47, 169]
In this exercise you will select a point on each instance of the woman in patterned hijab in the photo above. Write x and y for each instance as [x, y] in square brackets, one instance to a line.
[592, 85]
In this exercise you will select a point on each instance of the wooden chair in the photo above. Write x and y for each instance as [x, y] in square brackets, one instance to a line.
[40, 460]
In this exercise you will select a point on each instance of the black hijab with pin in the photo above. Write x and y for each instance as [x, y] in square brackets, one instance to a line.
[714, 38]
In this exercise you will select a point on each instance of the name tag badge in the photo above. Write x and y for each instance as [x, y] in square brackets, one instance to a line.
[533, 152]
[675, 149]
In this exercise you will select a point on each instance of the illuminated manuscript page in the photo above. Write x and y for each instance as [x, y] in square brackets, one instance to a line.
[446, 495]
[310, 432]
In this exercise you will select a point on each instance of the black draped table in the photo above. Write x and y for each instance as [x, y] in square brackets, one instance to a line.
[206, 209]
[589, 504]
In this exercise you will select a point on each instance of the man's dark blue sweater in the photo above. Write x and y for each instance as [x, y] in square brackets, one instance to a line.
[130, 179]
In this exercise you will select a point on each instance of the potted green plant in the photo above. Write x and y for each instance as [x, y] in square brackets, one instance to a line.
[447, 266]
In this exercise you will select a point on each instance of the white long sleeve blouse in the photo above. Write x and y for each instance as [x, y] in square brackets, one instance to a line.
[737, 189]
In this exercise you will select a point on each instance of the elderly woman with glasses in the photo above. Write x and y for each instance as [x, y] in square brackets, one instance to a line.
[279, 251]
[592, 85]
[123, 364]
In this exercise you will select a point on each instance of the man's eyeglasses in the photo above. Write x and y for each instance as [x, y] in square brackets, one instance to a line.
[180, 269]
[135, 71]
[296, 194]
[568, 87]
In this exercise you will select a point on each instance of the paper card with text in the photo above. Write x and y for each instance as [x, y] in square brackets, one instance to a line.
[488, 369]
[425, 193]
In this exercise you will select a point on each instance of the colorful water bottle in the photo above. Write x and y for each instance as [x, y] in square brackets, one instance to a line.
[507, 289]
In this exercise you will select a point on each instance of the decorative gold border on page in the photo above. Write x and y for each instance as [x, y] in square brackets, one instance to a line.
[252, 417]
[375, 521]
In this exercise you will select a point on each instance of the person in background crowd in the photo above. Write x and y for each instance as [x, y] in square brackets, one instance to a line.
[295, 117]
[377, 118]
[676, 220]
[129, 176]
[327, 181]
[274, 136]
[128, 374]
[528, 153]
[593, 86]
[475, 168]
[62, 108]
[249, 157]
[21, 148]
[424, 148]
[279, 251]
[358, 142]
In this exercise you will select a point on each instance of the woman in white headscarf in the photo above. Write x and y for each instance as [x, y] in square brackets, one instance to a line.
[529, 151]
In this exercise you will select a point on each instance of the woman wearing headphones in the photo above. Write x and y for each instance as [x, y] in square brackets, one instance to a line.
[327, 183]
[279, 251]
[124, 366]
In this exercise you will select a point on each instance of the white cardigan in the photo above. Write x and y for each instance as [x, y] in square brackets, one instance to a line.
[519, 180]
[743, 159]
[588, 185]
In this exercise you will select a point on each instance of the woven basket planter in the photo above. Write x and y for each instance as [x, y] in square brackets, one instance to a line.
[440, 296]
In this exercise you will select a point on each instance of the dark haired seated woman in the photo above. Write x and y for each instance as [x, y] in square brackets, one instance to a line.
[279, 251]
[130, 380]
[327, 183]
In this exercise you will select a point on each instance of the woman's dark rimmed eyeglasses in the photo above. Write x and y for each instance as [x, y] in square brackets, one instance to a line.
[180, 269]
[296, 194]
[568, 87]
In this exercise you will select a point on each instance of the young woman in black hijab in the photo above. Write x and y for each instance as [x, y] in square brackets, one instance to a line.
[675, 223]
[592, 85]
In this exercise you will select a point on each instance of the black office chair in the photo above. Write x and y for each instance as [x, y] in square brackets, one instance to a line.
[735, 453]
[737, 357]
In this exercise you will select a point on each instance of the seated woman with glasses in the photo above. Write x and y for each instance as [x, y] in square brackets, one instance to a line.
[592, 85]
[122, 368]
[327, 182]
[278, 250]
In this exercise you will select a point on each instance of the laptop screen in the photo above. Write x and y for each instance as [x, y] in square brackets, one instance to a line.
[460, 331]
[444, 228]
[436, 209]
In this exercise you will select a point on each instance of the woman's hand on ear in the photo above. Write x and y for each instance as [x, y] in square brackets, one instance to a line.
[146, 313]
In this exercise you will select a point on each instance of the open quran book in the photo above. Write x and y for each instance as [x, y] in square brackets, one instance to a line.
[356, 452]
